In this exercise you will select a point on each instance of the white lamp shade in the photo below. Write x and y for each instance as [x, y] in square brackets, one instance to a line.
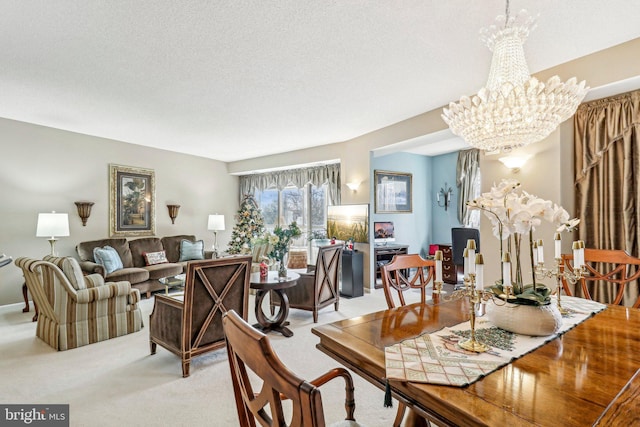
[216, 222]
[52, 225]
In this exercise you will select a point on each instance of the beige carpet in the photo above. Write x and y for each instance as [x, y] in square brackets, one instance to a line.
[118, 383]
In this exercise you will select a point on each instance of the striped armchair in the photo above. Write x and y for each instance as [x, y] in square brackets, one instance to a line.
[76, 310]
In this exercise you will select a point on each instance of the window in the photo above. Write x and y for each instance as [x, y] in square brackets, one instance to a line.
[306, 206]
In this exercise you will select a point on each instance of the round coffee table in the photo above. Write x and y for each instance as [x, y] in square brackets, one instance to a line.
[276, 285]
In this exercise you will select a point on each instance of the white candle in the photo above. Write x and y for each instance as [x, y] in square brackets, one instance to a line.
[438, 258]
[558, 246]
[465, 254]
[581, 253]
[540, 252]
[576, 254]
[506, 269]
[479, 272]
[471, 255]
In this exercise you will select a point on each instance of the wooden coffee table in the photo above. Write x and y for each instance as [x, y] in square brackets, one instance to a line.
[273, 285]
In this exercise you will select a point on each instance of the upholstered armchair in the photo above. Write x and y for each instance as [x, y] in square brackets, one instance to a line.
[76, 310]
[260, 252]
[318, 288]
[189, 325]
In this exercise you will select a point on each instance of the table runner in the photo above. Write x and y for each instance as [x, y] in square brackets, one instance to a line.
[437, 359]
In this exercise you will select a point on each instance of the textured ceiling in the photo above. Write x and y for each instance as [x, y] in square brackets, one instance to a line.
[237, 79]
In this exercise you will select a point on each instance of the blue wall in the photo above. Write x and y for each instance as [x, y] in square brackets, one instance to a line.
[428, 223]
[413, 228]
[444, 171]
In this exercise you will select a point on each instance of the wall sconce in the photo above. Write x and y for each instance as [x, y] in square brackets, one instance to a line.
[515, 162]
[173, 212]
[84, 211]
[444, 196]
[353, 186]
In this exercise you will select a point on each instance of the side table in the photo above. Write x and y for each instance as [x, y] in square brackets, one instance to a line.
[273, 285]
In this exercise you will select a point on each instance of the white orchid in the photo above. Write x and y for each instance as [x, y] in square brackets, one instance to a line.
[515, 213]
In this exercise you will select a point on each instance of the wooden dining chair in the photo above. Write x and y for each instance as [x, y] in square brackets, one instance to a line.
[611, 274]
[250, 352]
[405, 273]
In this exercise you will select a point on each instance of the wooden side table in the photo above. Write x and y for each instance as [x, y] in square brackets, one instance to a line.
[26, 303]
[271, 285]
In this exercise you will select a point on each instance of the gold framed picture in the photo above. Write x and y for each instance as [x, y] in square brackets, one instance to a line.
[131, 201]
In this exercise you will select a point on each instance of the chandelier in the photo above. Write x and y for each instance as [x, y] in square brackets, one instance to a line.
[513, 109]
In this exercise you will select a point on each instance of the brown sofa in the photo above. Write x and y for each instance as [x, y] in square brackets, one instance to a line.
[141, 276]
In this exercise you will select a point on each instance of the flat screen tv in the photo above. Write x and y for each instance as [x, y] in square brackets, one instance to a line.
[346, 222]
[383, 232]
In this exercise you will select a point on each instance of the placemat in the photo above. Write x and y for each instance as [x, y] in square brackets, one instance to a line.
[437, 359]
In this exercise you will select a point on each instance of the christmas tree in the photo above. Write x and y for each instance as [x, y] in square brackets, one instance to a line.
[249, 225]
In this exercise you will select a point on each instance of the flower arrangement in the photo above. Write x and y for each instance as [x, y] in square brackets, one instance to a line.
[279, 240]
[514, 214]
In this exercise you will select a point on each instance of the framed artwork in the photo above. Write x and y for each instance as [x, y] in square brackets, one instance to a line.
[132, 201]
[393, 192]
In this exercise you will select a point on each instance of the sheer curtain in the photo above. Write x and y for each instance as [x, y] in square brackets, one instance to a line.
[468, 183]
[607, 176]
[319, 175]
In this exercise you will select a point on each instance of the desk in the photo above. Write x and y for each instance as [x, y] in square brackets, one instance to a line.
[270, 285]
[568, 381]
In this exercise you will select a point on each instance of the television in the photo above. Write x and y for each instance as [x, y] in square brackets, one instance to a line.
[383, 232]
[346, 222]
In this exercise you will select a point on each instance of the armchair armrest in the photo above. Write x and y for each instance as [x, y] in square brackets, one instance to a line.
[108, 290]
[349, 401]
[92, 267]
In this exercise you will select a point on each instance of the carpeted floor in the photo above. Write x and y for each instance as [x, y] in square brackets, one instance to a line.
[118, 383]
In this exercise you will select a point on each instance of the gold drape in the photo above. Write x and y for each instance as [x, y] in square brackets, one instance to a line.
[607, 178]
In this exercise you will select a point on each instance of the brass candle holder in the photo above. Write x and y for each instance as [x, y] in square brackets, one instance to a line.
[557, 272]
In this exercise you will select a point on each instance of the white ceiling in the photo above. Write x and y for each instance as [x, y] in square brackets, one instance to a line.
[237, 79]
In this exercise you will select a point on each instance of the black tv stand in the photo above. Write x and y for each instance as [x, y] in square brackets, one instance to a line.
[384, 254]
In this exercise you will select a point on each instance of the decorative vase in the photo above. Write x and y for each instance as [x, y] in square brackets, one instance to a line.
[282, 268]
[534, 320]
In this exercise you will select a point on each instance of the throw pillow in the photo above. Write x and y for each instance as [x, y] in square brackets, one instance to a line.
[191, 250]
[152, 258]
[71, 269]
[108, 258]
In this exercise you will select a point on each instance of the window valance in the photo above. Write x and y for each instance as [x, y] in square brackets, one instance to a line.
[318, 175]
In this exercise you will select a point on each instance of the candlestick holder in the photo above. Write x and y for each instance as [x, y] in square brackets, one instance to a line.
[437, 288]
[557, 272]
[476, 297]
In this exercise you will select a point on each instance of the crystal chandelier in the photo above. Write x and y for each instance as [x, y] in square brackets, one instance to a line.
[513, 109]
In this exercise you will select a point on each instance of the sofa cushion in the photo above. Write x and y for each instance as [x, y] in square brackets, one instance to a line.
[191, 250]
[158, 271]
[138, 248]
[72, 270]
[109, 258]
[171, 245]
[132, 275]
[85, 250]
[153, 258]
[93, 281]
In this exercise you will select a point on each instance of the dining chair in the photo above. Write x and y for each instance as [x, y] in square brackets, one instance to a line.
[610, 277]
[250, 354]
[403, 274]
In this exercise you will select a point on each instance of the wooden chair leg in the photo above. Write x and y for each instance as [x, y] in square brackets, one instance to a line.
[400, 415]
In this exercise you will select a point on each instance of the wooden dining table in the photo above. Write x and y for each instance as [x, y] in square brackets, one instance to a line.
[568, 381]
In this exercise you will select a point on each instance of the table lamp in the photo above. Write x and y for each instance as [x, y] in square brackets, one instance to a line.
[52, 225]
[216, 223]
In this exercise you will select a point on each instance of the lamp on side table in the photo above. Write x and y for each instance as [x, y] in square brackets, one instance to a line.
[52, 225]
[216, 223]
